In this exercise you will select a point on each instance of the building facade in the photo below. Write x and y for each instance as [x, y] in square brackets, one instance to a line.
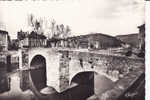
[90, 41]
[32, 40]
[3, 40]
[95, 41]
[141, 37]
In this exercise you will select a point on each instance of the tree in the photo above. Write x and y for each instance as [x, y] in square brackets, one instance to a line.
[31, 20]
[68, 31]
[62, 31]
[36, 24]
[53, 24]
[54, 31]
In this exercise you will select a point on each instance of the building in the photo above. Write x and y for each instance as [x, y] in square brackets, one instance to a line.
[14, 45]
[94, 41]
[31, 40]
[141, 37]
[4, 40]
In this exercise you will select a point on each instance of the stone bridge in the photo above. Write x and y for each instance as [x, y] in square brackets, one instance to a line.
[60, 68]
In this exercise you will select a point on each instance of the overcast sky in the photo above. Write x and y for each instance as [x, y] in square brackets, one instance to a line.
[113, 17]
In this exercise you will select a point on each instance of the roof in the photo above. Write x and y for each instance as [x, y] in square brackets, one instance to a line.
[127, 35]
[141, 26]
[96, 36]
[36, 36]
[3, 32]
[93, 34]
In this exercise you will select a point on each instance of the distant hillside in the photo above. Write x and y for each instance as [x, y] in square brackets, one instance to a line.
[131, 39]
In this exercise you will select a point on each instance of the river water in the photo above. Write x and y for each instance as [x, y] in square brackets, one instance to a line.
[80, 92]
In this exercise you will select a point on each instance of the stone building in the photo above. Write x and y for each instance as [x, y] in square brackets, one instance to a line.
[32, 40]
[14, 45]
[95, 41]
[89, 41]
[4, 40]
[141, 37]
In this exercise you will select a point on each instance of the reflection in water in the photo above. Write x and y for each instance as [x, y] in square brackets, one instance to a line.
[80, 92]
[15, 93]
[4, 80]
[84, 89]
[4, 84]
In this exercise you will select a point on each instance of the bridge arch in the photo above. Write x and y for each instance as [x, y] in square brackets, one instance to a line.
[95, 81]
[83, 77]
[82, 72]
[33, 54]
[51, 60]
[38, 71]
[46, 59]
[84, 80]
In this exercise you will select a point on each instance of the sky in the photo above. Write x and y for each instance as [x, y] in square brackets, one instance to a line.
[112, 17]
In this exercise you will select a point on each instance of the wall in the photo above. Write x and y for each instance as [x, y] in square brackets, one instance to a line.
[4, 41]
[114, 67]
[142, 37]
[64, 70]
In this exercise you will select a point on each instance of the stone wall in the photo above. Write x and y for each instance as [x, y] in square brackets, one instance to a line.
[64, 71]
[114, 67]
[24, 66]
[14, 62]
[57, 67]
